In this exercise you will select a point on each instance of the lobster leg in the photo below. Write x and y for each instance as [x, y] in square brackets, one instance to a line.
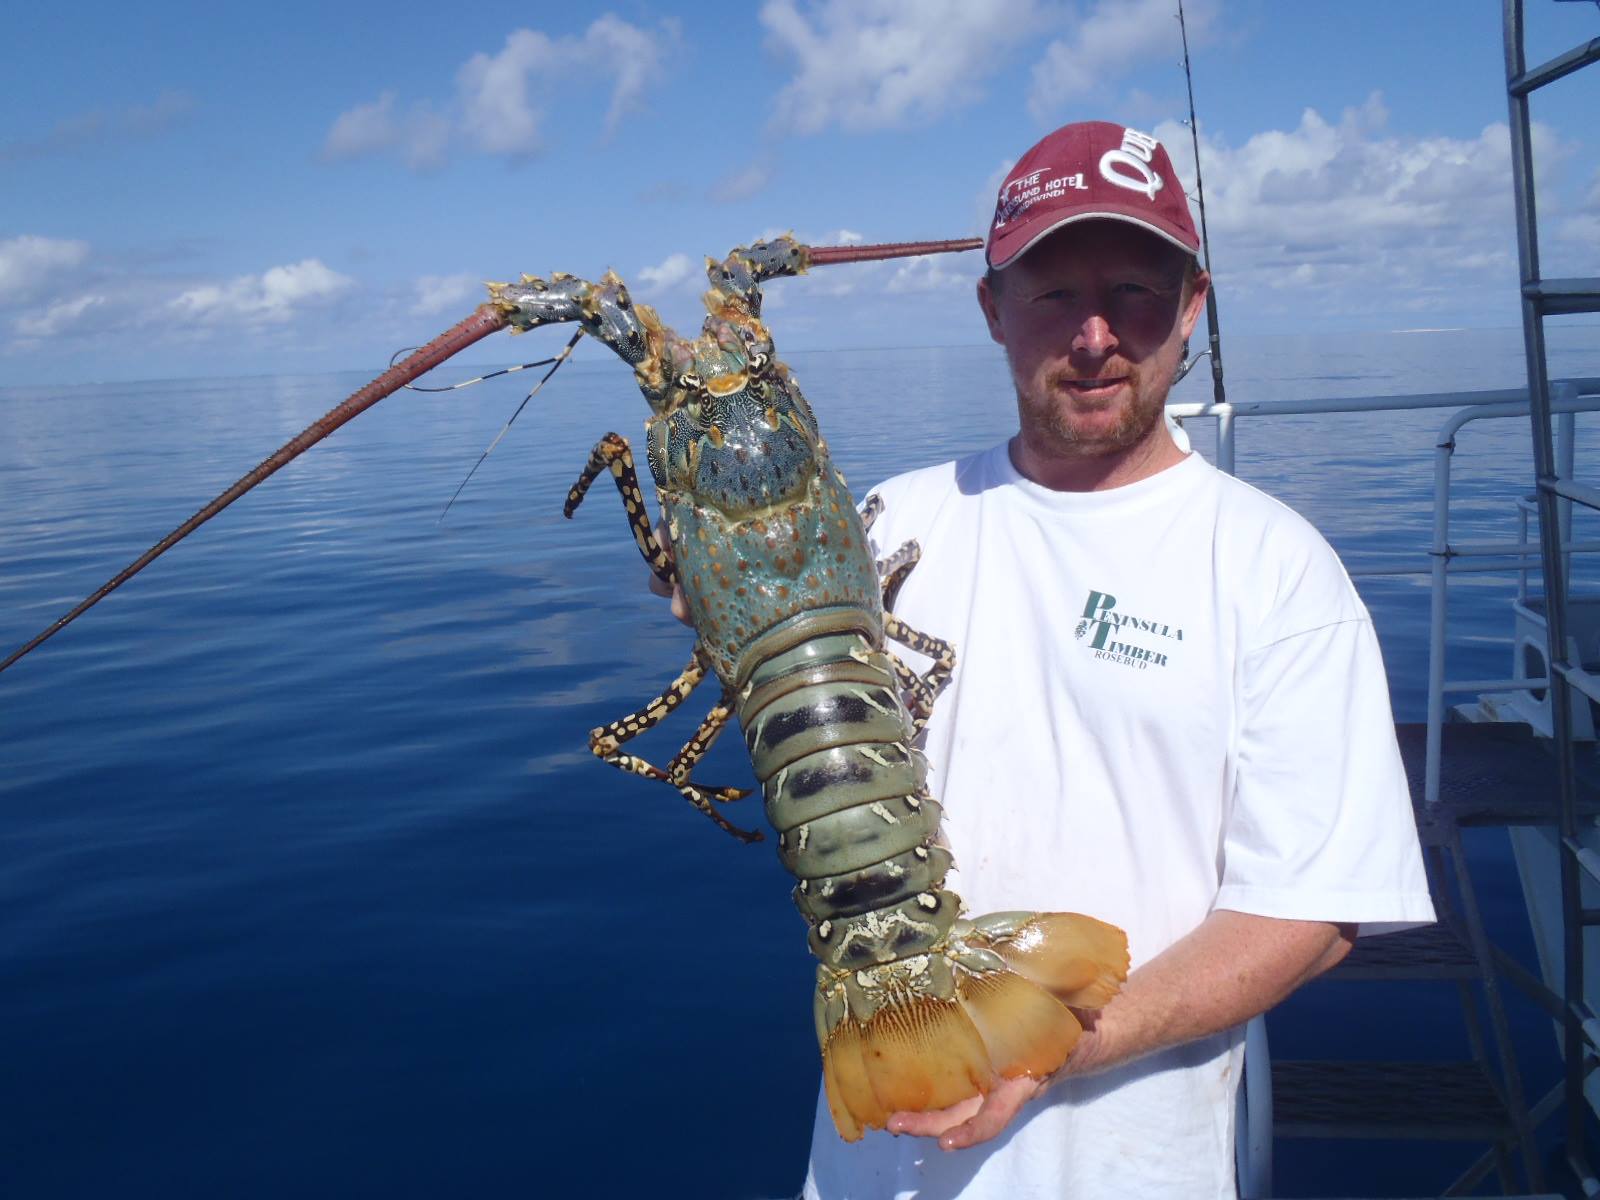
[612, 453]
[683, 762]
[606, 742]
[892, 571]
[942, 652]
[920, 695]
[871, 509]
[923, 690]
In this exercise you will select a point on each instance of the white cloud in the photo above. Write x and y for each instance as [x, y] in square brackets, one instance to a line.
[935, 273]
[496, 114]
[420, 135]
[54, 289]
[673, 271]
[30, 265]
[1581, 229]
[103, 125]
[57, 318]
[437, 293]
[633, 53]
[874, 64]
[741, 185]
[272, 297]
[363, 129]
[501, 99]
[1114, 37]
[1361, 213]
[984, 205]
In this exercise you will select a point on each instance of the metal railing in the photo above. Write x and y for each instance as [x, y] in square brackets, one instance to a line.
[1254, 1149]
[1572, 396]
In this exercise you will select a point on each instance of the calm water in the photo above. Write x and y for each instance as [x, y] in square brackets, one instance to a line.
[311, 886]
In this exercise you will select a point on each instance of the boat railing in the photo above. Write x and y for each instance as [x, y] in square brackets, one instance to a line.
[1569, 397]
[1443, 558]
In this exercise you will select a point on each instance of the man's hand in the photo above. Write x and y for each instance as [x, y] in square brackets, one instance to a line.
[972, 1121]
[680, 604]
[984, 1117]
[1228, 969]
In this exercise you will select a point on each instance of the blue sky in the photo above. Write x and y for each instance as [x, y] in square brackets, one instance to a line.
[214, 189]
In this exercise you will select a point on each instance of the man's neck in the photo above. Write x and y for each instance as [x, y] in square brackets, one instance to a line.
[1097, 472]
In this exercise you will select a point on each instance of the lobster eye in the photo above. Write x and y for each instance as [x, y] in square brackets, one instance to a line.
[622, 300]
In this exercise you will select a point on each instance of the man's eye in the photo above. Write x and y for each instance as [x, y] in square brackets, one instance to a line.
[1129, 288]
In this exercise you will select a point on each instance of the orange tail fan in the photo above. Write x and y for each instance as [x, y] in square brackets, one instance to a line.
[994, 1002]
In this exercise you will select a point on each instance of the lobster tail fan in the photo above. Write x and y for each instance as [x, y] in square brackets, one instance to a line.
[1011, 1017]
[844, 1078]
[1079, 960]
[1027, 1030]
[924, 1055]
[913, 1055]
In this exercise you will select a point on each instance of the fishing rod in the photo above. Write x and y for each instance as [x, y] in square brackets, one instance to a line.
[1218, 392]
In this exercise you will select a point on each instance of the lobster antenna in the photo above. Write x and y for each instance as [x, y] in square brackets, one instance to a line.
[556, 365]
[1218, 392]
[456, 387]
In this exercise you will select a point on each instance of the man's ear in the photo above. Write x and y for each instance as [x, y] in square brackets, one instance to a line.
[991, 313]
[1197, 302]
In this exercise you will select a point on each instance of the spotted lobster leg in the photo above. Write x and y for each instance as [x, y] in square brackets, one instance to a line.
[922, 689]
[606, 744]
[612, 453]
[933, 681]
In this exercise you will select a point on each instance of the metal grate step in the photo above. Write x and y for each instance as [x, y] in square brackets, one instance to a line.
[1490, 774]
[1432, 952]
[1431, 1101]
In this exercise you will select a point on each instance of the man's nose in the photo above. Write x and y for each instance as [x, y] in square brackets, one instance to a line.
[1095, 336]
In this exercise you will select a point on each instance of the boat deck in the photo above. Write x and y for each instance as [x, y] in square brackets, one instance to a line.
[1490, 774]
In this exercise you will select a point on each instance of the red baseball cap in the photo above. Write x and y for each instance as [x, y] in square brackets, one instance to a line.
[1091, 169]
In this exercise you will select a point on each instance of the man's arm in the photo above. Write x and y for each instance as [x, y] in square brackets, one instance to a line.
[1231, 968]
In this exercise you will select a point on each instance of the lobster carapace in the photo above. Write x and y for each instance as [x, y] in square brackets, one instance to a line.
[916, 1007]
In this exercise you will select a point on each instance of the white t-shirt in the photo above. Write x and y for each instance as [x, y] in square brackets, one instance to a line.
[1168, 699]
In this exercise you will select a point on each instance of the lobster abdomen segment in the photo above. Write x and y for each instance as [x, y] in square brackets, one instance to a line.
[830, 741]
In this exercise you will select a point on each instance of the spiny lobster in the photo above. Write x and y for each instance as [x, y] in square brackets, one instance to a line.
[916, 1007]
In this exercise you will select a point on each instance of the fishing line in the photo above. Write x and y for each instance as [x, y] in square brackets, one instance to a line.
[1219, 394]
[555, 365]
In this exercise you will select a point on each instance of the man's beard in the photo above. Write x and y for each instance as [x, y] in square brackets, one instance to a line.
[1046, 412]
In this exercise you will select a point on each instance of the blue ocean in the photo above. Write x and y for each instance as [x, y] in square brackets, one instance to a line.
[311, 887]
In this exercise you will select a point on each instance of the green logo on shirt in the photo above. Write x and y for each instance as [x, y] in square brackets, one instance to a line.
[1110, 633]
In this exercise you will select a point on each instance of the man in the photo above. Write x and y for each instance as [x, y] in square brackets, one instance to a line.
[1169, 709]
